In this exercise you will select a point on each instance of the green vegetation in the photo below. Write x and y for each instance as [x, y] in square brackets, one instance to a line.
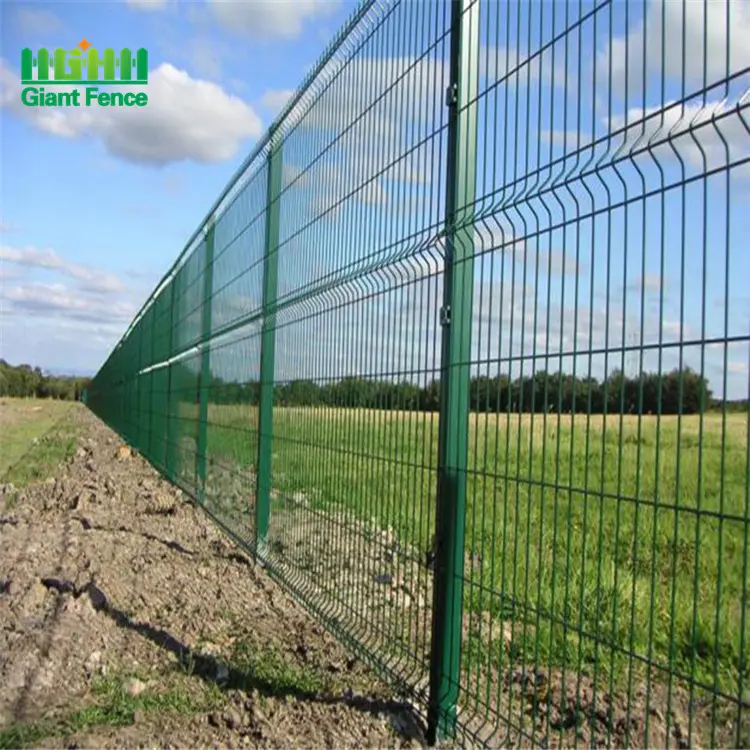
[43, 458]
[35, 437]
[112, 706]
[592, 536]
[25, 381]
[266, 669]
[677, 391]
[262, 666]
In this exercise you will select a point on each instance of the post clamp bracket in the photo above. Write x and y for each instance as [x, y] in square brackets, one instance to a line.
[451, 95]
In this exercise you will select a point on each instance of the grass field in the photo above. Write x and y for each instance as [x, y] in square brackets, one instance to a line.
[595, 539]
[29, 444]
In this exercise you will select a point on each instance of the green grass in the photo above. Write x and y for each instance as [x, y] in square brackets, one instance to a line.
[112, 706]
[594, 538]
[263, 666]
[22, 420]
[35, 437]
[268, 670]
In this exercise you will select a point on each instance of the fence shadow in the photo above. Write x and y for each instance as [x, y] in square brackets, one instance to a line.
[212, 670]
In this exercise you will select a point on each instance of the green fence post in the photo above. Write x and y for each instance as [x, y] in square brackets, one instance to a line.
[204, 381]
[456, 319]
[151, 380]
[168, 463]
[268, 344]
[138, 389]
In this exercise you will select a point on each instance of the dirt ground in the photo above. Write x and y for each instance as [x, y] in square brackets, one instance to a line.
[127, 619]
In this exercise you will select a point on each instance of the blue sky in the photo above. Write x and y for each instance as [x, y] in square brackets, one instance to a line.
[110, 206]
[660, 112]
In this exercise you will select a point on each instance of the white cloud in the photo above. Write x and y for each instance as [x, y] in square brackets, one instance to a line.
[38, 21]
[149, 276]
[185, 119]
[291, 174]
[419, 266]
[275, 101]
[205, 58]
[90, 279]
[8, 273]
[147, 5]
[55, 340]
[510, 66]
[649, 282]
[714, 132]
[44, 300]
[401, 88]
[268, 19]
[71, 321]
[346, 114]
[570, 139]
[675, 328]
[699, 21]
[391, 325]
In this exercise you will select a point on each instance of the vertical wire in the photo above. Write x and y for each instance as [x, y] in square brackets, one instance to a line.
[699, 488]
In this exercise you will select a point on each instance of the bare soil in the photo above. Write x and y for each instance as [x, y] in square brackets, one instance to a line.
[107, 571]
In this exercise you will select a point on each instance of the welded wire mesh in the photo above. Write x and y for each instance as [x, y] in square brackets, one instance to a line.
[610, 299]
[462, 355]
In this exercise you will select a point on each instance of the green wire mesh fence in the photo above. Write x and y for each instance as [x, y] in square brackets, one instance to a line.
[461, 354]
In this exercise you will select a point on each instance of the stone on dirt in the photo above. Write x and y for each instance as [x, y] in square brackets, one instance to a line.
[134, 687]
[233, 718]
[93, 664]
[214, 719]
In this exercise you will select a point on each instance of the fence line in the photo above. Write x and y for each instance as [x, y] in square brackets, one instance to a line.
[461, 354]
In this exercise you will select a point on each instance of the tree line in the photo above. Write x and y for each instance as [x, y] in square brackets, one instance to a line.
[25, 381]
[684, 391]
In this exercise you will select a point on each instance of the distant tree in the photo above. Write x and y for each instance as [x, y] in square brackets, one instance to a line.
[25, 381]
[648, 393]
[430, 396]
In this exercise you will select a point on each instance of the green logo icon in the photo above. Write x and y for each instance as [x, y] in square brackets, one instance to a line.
[83, 65]
[69, 66]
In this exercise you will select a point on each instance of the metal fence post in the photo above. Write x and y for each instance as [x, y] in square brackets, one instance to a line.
[204, 381]
[138, 388]
[168, 463]
[151, 383]
[268, 343]
[456, 319]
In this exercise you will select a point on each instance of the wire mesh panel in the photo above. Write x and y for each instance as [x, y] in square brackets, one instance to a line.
[361, 206]
[605, 570]
[461, 354]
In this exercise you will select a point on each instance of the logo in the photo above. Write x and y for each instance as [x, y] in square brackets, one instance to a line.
[83, 65]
